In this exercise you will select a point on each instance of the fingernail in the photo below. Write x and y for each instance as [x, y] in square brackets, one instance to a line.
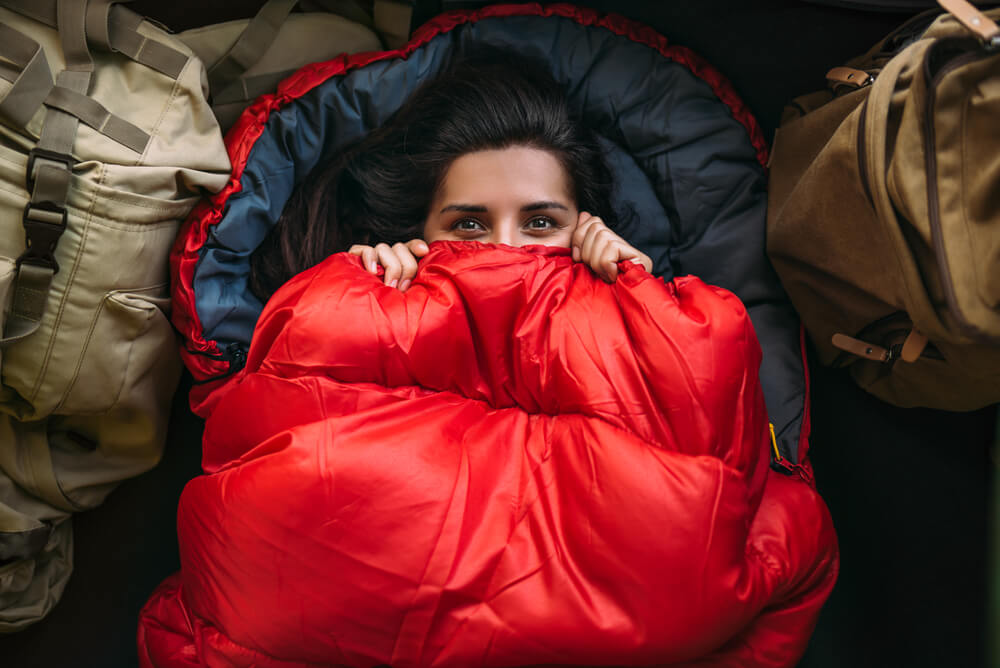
[372, 267]
[404, 286]
[393, 283]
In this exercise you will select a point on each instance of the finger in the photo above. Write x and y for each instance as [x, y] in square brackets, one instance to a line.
[595, 234]
[598, 258]
[583, 222]
[408, 265]
[390, 263]
[644, 261]
[367, 255]
[609, 257]
[418, 247]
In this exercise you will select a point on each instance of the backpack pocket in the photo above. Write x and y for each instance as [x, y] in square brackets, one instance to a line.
[130, 331]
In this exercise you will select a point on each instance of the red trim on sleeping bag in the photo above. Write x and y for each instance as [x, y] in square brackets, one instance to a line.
[200, 355]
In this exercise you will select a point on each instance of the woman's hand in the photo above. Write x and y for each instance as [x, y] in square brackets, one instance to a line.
[398, 260]
[599, 248]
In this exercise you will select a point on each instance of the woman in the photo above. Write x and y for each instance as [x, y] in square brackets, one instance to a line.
[486, 152]
[511, 464]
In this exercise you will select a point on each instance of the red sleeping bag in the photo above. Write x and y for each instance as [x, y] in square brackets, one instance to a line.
[513, 463]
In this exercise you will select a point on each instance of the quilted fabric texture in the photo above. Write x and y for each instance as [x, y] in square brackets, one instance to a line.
[513, 463]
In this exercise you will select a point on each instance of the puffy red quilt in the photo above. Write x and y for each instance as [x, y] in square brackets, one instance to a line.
[511, 464]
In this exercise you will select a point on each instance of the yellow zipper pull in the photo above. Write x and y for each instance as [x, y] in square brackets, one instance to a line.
[973, 19]
[774, 442]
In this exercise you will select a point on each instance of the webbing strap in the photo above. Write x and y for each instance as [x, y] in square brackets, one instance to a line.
[9, 72]
[51, 185]
[91, 112]
[30, 75]
[105, 24]
[251, 45]
[48, 177]
[71, 16]
[50, 163]
[249, 88]
[43, 11]
[97, 19]
[31, 291]
[126, 39]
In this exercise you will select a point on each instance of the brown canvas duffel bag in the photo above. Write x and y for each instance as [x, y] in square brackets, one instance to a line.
[884, 212]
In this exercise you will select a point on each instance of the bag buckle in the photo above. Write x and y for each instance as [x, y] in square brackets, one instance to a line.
[45, 154]
[43, 224]
[861, 348]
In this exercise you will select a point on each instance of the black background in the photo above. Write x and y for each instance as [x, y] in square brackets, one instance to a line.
[908, 488]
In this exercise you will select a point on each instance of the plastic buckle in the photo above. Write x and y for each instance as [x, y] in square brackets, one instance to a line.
[45, 154]
[43, 224]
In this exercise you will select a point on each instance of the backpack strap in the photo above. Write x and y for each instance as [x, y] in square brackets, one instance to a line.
[125, 38]
[389, 18]
[48, 175]
[252, 44]
[67, 104]
[107, 26]
[29, 75]
[93, 114]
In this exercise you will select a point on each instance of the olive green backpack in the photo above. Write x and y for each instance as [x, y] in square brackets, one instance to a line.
[106, 142]
[884, 212]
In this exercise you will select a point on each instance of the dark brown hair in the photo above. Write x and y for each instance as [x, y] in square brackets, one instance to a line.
[380, 189]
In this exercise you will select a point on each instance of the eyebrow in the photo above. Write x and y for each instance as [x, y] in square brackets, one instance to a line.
[479, 208]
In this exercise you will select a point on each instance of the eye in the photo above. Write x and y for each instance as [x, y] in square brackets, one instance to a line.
[467, 225]
[541, 224]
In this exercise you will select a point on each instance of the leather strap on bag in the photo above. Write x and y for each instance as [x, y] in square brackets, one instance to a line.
[973, 19]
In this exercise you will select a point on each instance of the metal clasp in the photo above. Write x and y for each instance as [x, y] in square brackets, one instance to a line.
[848, 76]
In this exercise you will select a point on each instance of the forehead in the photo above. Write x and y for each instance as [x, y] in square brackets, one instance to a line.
[518, 172]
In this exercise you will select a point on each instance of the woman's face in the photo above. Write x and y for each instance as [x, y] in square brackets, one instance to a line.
[515, 196]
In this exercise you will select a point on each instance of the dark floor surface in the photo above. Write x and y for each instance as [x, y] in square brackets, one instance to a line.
[908, 488]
